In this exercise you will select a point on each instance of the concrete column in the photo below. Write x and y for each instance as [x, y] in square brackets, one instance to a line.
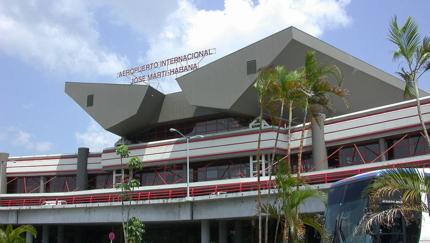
[319, 150]
[205, 232]
[28, 237]
[45, 234]
[42, 181]
[4, 157]
[60, 234]
[82, 172]
[382, 148]
[222, 233]
[238, 229]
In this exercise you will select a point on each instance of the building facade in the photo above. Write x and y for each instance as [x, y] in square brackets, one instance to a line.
[211, 130]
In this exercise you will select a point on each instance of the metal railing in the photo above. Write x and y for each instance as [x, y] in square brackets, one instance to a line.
[148, 193]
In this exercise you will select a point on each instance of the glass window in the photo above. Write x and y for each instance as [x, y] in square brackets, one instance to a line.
[355, 190]
[61, 184]
[195, 127]
[410, 146]
[336, 195]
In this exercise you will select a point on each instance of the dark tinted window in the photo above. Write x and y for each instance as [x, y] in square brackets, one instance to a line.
[355, 190]
[90, 100]
[251, 67]
[336, 195]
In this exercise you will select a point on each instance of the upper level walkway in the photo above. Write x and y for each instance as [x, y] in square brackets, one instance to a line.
[222, 199]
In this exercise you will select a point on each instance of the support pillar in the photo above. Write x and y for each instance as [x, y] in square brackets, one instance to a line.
[382, 148]
[238, 229]
[28, 237]
[45, 234]
[4, 157]
[82, 172]
[319, 151]
[60, 234]
[42, 181]
[205, 231]
[222, 232]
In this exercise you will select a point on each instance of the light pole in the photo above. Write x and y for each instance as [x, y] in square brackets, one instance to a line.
[188, 156]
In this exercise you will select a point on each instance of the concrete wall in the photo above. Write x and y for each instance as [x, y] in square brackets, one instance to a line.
[224, 206]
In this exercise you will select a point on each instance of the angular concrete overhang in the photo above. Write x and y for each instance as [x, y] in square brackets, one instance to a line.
[121, 109]
[224, 84]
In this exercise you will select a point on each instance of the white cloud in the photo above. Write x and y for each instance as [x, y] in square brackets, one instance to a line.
[57, 36]
[96, 138]
[239, 24]
[27, 140]
[63, 37]
[3, 135]
[43, 146]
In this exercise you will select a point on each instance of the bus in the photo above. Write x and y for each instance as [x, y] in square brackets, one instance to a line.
[347, 204]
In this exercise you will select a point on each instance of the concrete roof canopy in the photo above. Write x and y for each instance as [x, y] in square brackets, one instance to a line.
[226, 86]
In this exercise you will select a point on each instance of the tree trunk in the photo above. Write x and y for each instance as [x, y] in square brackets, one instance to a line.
[259, 179]
[420, 116]
[271, 162]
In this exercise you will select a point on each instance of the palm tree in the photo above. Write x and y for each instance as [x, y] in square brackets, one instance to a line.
[289, 93]
[264, 86]
[317, 90]
[284, 91]
[407, 183]
[291, 193]
[10, 235]
[416, 54]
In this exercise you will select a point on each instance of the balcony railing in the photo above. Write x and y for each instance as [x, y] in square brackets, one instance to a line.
[196, 189]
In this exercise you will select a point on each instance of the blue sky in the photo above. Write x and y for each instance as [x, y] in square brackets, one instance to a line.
[44, 44]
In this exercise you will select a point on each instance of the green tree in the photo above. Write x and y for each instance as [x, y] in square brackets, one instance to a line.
[127, 186]
[264, 86]
[291, 193]
[407, 184]
[416, 54]
[285, 91]
[135, 229]
[10, 235]
[317, 91]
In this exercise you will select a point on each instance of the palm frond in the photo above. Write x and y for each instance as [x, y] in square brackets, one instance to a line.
[407, 38]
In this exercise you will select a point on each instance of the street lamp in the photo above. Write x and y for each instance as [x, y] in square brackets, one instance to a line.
[188, 156]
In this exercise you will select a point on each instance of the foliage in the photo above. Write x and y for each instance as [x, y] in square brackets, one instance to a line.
[291, 193]
[123, 151]
[136, 229]
[409, 183]
[263, 85]
[416, 54]
[10, 235]
[317, 92]
[280, 88]
[406, 184]
[307, 88]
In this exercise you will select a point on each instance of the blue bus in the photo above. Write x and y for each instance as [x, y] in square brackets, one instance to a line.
[347, 205]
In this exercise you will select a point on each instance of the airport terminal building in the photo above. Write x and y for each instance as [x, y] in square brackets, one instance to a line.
[211, 130]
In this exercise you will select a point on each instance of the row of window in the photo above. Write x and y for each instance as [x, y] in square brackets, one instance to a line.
[398, 147]
[192, 128]
[171, 174]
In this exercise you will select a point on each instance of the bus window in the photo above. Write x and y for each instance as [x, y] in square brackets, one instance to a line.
[336, 195]
[355, 190]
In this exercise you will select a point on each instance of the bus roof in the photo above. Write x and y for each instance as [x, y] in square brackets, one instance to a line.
[365, 175]
[370, 174]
